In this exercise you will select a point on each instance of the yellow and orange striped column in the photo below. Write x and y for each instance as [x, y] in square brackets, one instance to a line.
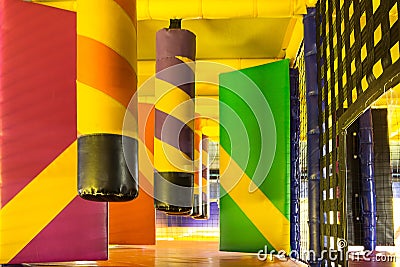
[106, 87]
[174, 126]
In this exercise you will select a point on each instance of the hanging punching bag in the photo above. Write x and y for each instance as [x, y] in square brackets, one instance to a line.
[174, 125]
[106, 84]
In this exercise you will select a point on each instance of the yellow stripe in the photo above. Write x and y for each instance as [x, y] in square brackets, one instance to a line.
[184, 59]
[190, 63]
[170, 159]
[204, 186]
[106, 22]
[146, 162]
[38, 204]
[205, 163]
[196, 190]
[204, 157]
[174, 101]
[66, 5]
[197, 149]
[100, 113]
[272, 224]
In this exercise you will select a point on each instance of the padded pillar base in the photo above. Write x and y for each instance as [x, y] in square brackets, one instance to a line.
[173, 192]
[107, 167]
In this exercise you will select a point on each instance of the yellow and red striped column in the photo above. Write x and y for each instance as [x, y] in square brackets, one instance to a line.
[106, 87]
[174, 126]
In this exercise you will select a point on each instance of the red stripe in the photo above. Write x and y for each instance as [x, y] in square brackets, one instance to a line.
[62, 239]
[37, 90]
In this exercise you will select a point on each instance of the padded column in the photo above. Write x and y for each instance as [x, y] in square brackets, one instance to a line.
[106, 102]
[313, 136]
[174, 125]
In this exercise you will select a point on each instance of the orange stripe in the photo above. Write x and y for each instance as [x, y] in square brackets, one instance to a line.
[197, 139]
[129, 6]
[146, 124]
[149, 128]
[196, 179]
[102, 68]
[204, 185]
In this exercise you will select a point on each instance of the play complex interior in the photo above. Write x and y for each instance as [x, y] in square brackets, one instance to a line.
[199, 133]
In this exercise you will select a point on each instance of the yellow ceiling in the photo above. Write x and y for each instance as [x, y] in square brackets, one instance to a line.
[224, 28]
[205, 9]
[237, 33]
[224, 38]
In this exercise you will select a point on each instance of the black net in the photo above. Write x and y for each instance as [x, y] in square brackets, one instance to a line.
[358, 60]
[304, 229]
[383, 181]
[391, 102]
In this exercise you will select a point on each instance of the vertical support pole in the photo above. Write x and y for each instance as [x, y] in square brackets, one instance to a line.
[204, 180]
[106, 87]
[313, 134]
[368, 193]
[197, 201]
[295, 163]
[174, 120]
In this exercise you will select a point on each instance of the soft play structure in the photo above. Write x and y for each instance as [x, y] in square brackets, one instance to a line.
[254, 142]
[274, 122]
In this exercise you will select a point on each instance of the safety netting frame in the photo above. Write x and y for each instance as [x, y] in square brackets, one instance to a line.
[357, 57]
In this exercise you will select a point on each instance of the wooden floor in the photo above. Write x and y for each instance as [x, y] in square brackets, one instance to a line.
[191, 253]
[178, 253]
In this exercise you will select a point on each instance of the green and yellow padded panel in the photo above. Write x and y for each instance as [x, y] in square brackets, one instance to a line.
[255, 158]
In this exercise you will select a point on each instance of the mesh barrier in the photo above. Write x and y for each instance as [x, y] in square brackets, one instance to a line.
[295, 163]
[382, 177]
[388, 192]
[358, 59]
[304, 229]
